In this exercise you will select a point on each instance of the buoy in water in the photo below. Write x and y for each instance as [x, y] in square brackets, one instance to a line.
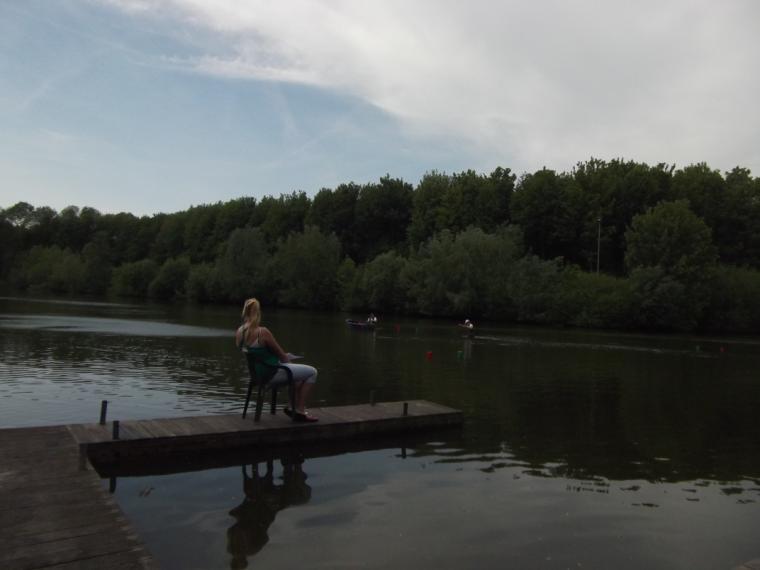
[429, 355]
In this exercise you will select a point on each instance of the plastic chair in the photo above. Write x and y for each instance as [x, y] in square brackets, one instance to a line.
[255, 380]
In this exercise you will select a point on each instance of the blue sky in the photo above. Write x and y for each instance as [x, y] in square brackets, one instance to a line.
[153, 106]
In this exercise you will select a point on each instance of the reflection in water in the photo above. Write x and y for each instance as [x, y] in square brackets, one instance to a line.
[263, 500]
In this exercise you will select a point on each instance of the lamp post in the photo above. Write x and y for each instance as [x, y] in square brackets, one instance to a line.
[598, 241]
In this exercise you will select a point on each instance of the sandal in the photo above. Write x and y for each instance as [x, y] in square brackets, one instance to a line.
[305, 417]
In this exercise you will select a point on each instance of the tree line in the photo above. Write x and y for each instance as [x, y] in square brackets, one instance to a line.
[675, 249]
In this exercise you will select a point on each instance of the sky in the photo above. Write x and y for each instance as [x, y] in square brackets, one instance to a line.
[150, 106]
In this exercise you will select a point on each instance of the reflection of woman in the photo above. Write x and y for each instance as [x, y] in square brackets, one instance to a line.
[254, 515]
[467, 324]
[252, 337]
[263, 500]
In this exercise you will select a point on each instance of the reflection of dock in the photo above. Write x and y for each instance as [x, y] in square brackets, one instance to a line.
[56, 513]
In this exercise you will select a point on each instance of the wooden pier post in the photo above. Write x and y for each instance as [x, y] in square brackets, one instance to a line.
[103, 411]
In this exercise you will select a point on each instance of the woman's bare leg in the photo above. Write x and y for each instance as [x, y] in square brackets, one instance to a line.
[302, 393]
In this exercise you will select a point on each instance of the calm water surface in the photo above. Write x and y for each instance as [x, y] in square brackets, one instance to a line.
[580, 449]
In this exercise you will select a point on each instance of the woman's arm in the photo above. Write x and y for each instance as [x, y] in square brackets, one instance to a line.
[268, 339]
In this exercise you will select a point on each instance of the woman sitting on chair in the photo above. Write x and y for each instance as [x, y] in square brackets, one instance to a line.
[251, 335]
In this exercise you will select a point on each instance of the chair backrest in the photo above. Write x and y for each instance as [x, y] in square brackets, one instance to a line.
[259, 370]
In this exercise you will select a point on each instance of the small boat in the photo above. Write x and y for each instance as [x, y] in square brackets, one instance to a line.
[360, 325]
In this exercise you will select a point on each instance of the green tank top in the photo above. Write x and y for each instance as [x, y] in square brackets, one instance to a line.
[263, 354]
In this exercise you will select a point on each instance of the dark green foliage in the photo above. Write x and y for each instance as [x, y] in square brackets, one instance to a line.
[549, 209]
[427, 207]
[242, 270]
[461, 244]
[672, 260]
[383, 212]
[284, 215]
[672, 237]
[535, 286]
[349, 294]
[334, 212]
[50, 270]
[596, 300]
[170, 241]
[169, 282]
[613, 193]
[304, 269]
[380, 283]
[474, 200]
[452, 275]
[199, 287]
[132, 279]
[735, 301]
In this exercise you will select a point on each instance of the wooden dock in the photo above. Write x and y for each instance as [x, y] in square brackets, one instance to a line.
[177, 435]
[55, 512]
[54, 515]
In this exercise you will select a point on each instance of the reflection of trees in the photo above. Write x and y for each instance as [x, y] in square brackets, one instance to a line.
[659, 418]
[263, 500]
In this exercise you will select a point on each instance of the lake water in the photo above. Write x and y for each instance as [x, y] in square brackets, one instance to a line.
[580, 449]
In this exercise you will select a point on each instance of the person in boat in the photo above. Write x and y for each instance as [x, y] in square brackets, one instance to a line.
[467, 324]
[251, 336]
[372, 319]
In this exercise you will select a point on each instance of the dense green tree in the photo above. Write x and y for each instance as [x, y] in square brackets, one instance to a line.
[462, 274]
[672, 259]
[735, 301]
[427, 207]
[588, 299]
[284, 215]
[549, 209]
[383, 212]
[737, 229]
[380, 283]
[243, 269]
[199, 285]
[334, 211]
[232, 215]
[305, 266]
[704, 188]
[96, 259]
[170, 240]
[613, 193]
[171, 279]
[199, 231]
[348, 282]
[20, 215]
[475, 200]
[133, 279]
[535, 287]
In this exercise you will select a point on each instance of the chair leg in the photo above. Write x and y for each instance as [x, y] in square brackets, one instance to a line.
[259, 403]
[273, 408]
[247, 398]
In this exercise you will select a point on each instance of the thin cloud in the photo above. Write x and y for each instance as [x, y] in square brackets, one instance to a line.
[547, 83]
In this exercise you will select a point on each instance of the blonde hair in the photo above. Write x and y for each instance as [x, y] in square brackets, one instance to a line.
[252, 312]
